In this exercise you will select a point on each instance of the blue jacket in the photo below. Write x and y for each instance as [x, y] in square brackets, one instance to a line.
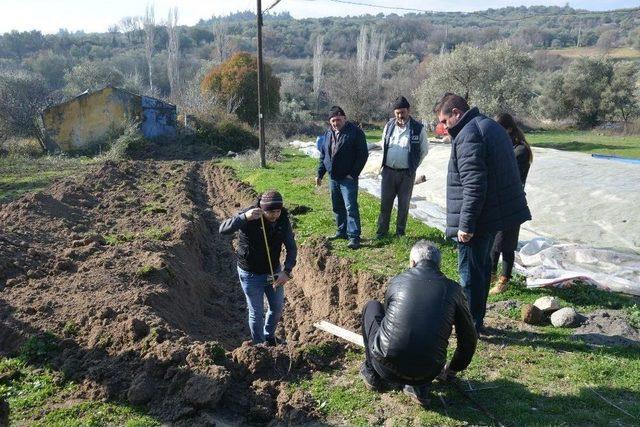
[351, 154]
[484, 191]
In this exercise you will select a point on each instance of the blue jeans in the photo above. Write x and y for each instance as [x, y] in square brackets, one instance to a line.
[255, 287]
[344, 198]
[474, 267]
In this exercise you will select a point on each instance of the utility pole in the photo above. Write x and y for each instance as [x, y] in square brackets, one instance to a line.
[263, 159]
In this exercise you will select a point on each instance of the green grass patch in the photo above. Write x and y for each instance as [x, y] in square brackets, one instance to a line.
[155, 233]
[71, 328]
[587, 142]
[120, 238]
[39, 348]
[345, 397]
[374, 135]
[146, 271]
[22, 174]
[41, 397]
[154, 208]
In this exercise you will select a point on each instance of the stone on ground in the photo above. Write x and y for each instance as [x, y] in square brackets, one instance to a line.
[547, 304]
[565, 317]
[531, 314]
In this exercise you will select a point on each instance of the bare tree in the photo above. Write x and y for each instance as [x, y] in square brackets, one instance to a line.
[173, 58]
[318, 63]
[221, 47]
[114, 30]
[130, 25]
[382, 51]
[361, 93]
[149, 25]
[371, 50]
[22, 97]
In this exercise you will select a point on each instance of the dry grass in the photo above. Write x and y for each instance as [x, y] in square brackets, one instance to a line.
[592, 51]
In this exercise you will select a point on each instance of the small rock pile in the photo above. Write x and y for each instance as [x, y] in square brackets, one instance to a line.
[548, 309]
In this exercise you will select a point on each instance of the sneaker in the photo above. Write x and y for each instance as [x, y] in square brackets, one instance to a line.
[371, 379]
[353, 244]
[338, 236]
[380, 236]
[419, 394]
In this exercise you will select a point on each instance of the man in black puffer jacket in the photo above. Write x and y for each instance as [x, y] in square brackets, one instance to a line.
[484, 194]
[406, 341]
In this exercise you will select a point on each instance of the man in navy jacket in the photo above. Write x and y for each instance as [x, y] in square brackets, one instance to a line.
[484, 194]
[343, 155]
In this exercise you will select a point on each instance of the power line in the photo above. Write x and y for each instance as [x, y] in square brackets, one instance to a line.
[275, 3]
[480, 14]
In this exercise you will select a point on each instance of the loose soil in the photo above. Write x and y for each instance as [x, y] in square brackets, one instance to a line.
[608, 328]
[124, 272]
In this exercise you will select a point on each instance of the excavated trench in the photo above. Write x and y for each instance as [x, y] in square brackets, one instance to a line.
[124, 274]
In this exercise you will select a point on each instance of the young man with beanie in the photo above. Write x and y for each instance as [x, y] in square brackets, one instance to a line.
[343, 156]
[405, 145]
[253, 261]
[484, 194]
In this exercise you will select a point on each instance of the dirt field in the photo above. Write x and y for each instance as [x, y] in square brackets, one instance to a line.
[123, 274]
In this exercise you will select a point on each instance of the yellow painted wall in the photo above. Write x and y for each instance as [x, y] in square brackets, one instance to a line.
[87, 119]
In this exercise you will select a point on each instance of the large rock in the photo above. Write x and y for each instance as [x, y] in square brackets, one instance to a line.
[141, 390]
[138, 329]
[547, 304]
[531, 314]
[565, 317]
[205, 391]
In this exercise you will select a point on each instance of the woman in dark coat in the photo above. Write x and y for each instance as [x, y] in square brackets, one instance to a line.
[506, 241]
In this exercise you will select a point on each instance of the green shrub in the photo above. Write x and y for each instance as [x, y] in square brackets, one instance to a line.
[128, 142]
[39, 348]
[226, 134]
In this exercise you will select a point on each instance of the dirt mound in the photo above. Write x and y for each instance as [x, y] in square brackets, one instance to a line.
[608, 328]
[123, 276]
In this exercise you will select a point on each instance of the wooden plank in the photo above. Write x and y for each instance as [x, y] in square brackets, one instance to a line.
[345, 334]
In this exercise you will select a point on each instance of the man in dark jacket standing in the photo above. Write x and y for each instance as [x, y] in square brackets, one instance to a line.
[343, 155]
[404, 147]
[406, 340]
[484, 194]
[253, 260]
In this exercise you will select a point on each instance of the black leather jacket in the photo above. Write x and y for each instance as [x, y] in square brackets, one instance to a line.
[421, 305]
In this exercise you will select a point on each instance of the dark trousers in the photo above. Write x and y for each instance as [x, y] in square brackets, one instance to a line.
[372, 315]
[344, 199]
[474, 267]
[505, 244]
[395, 183]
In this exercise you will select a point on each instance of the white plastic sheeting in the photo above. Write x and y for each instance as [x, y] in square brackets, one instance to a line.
[585, 215]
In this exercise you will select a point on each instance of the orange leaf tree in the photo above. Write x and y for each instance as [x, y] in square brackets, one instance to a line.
[235, 82]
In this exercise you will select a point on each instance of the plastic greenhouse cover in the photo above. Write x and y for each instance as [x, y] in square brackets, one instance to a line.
[585, 215]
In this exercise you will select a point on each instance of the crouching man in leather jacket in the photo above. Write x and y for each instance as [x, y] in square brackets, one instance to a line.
[406, 340]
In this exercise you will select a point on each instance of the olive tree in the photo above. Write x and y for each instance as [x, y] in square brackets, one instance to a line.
[494, 79]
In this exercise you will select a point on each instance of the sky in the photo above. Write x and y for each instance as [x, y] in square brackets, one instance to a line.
[48, 16]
